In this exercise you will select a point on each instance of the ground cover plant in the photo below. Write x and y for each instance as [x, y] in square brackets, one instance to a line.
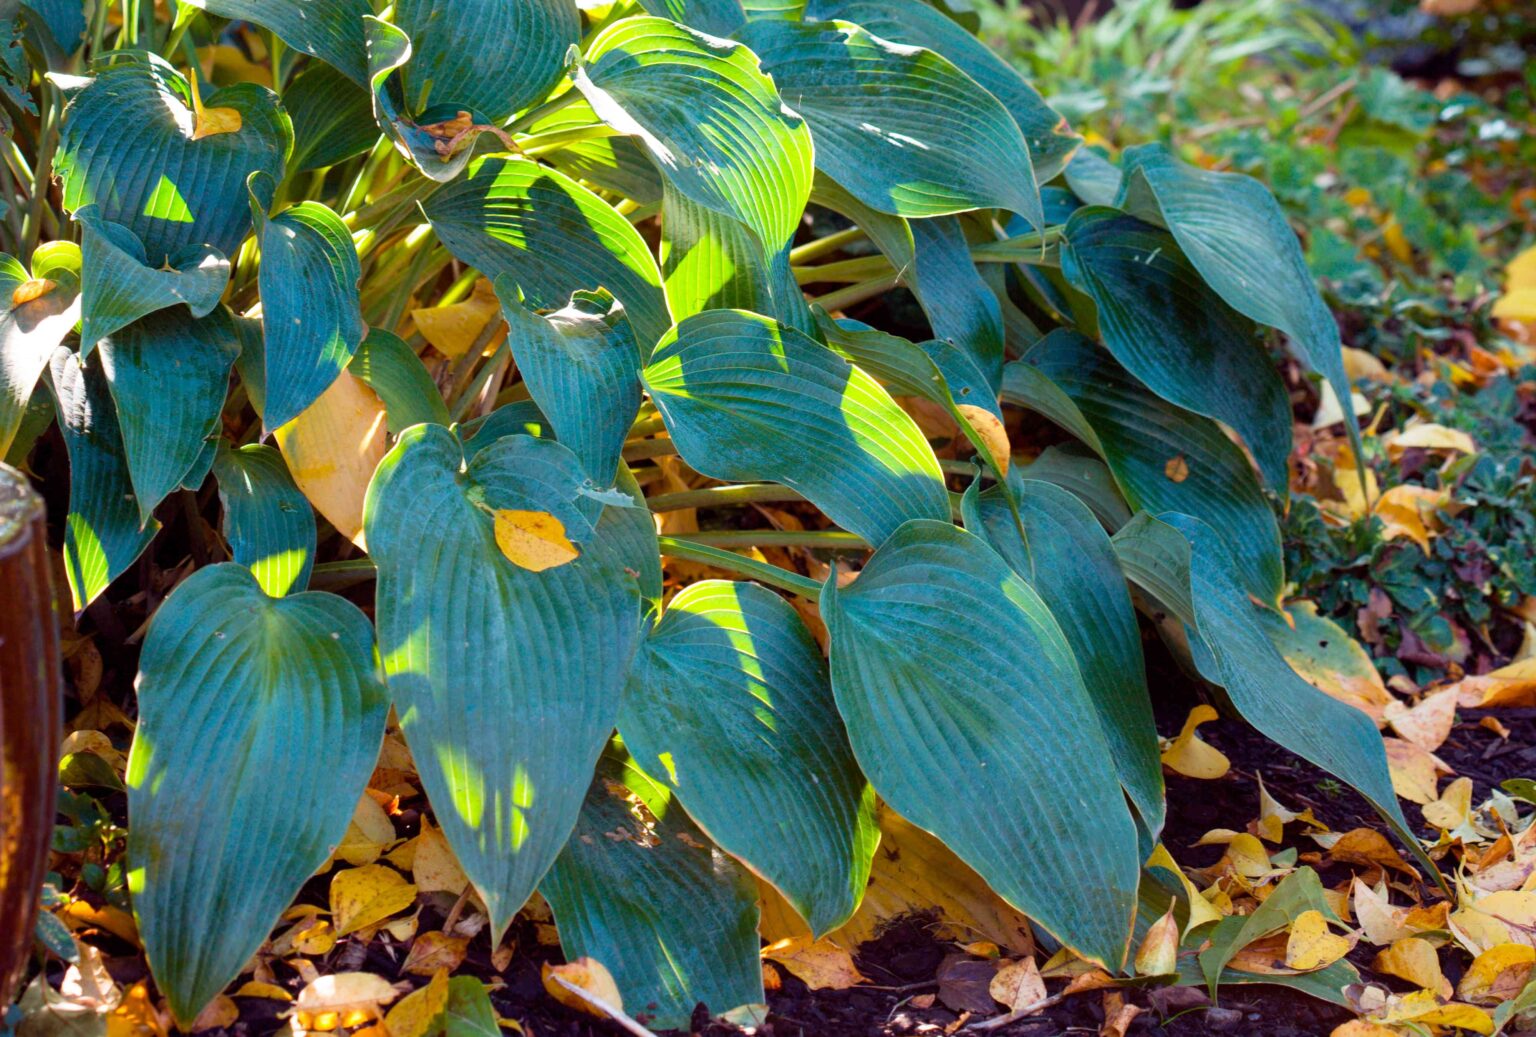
[401, 393]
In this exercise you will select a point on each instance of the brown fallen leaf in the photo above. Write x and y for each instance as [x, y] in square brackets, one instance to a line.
[1118, 1014]
[1017, 984]
[965, 983]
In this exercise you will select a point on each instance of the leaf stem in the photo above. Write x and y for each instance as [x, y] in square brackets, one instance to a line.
[829, 539]
[843, 298]
[771, 575]
[721, 496]
[822, 246]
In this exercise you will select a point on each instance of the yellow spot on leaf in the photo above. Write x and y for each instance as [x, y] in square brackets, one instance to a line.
[1177, 469]
[533, 540]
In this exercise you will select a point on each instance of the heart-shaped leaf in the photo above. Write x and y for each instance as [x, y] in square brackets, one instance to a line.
[268, 523]
[332, 118]
[747, 398]
[391, 369]
[169, 374]
[237, 689]
[947, 666]
[730, 706]
[332, 31]
[130, 145]
[311, 319]
[507, 680]
[515, 218]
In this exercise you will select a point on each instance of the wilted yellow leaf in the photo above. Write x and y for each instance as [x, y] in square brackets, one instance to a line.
[991, 431]
[1158, 954]
[1426, 1009]
[332, 449]
[210, 122]
[1508, 686]
[1190, 756]
[1452, 812]
[453, 329]
[419, 1010]
[533, 540]
[1413, 959]
[432, 951]
[219, 1014]
[1201, 911]
[819, 964]
[1506, 916]
[367, 895]
[1518, 303]
[434, 867]
[1017, 984]
[1427, 724]
[77, 914]
[368, 834]
[1428, 436]
[1497, 974]
[1311, 945]
[1273, 817]
[1415, 771]
[30, 289]
[589, 976]
[1412, 511]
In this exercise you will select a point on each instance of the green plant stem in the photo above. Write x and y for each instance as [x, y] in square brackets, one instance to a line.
[335, 576]
[829, 539]
[772, 575]
[543, 111]
[843, 298]
[823, 246]
[649, 448]
[847, 270]
[543, 143]
[722, 496]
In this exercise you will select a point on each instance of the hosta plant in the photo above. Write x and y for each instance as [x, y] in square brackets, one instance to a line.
[457, 304]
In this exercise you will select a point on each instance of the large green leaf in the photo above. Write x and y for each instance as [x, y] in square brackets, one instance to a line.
[259, 722]
[332, 118]
[390, 368]
[331, 31]
[710, 118]
[128, 145]
[462, 54]
[617, 164]
[716, 17]
[512, 217]
[1170, 330]
[1163, 457]
[729, 704]
[311, 318]
[432, 148]
[119, 285]
[918, 24]
[1184, 564]
[507, 680]
[267, 520]
[102, 532]
[950, 671]
[903, 129]
[169, 374]
[582, 365]
[1058, 547]
[30, 330]
[639, 888]
[747, 398]
[1236, 235]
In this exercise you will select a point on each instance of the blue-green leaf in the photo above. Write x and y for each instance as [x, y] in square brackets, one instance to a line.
[332, 118]
[949, 670]
[311, 319]
[746, 398]
[332, 31]
[267, 520]
[390, 368]
[507, 680]
[729, 705]
[259, 722]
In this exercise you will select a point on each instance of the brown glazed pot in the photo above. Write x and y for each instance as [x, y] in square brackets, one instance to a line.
[31, 720]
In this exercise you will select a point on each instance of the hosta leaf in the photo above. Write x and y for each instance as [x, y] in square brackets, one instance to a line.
[746, 398]
[118, 284]
[332, 118]
[1166, 327]
[1163, 457]
[268, 523]
[918, 24]
[35, 316]
[389, 50]
[389, 367]
[311, 318]
[169, 374]
[948, 667]
[729, 704]
[102, 533]
[129, 146]
[507, 680]
[710, 118]
[712, 262]
[259, 722]
[1064, 554]
[903, 129]
[636, 887]
[332, 31]
[618, 164]
[716, 17]
[1182, 562]
[1236, 235]
[462, 48]
[552, 236]
[1078, 470]
[582, 364]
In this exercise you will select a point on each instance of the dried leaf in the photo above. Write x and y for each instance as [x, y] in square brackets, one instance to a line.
[433, 951]
[1312, 945]
[1498, 974]
[1158, 954]
[1413, 959]
[368, 895]
[420, 1012]
[219, 1014]
[434, 867]
[1190, 756]
[1017, 984]
[591, 977]
[1427, 724]
[819, 964]
[533, 540]
[1512, 686]
[1416, 772]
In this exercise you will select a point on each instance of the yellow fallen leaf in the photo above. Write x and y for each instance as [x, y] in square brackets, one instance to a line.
[1428, 723]
[1512, 686]
[269, 991]
[367, 895]
[1158, 954]
[1312, 945]
[210, 122]
[1413, 512]
[1201, 911]
[453, 329]
[1273, 817]
[1368, 847]
[1518, 303]
[77, 914]
[1424, 1008]
[1017, 984]
[332, 448]
[991, 431]
[434, 867]
[419, 1011]
[1413, 959]
[136, 1016]
[432, 951]
[219, 1014]
[1506, 916]
[589, 976]
[1246, 856]
[533, 540]
[819, 964]
[1415, 772]
[342, 993]
[368, 834]
[1190, 756]
[1452, 812]
[1396, 241]
[1497, 974]
[1428, 436]
[1362, 1028]
[1360, 364]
